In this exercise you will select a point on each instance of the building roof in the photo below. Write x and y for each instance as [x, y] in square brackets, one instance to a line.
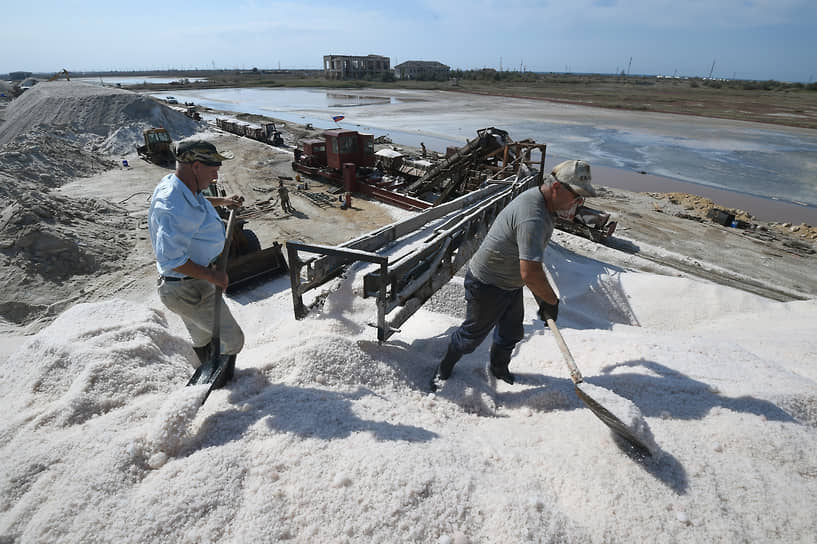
[422, 64]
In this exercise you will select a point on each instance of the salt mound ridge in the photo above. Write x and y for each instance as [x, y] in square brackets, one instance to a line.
[102, 119]
[92, 359]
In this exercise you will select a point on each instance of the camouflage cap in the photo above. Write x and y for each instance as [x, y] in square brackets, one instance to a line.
[188, 151]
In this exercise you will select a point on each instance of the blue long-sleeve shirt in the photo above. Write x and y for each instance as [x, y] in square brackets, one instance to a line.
[182, 226]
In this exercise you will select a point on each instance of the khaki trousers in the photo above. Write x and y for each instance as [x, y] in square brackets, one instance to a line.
[192, 300]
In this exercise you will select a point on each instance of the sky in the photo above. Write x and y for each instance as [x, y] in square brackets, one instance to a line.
[744, 39]
[327, 436]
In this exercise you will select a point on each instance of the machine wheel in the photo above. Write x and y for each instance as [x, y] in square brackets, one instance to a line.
[250, 243]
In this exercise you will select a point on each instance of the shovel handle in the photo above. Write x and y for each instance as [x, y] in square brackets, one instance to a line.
[222, 266]
[575, 375]
[225, 253]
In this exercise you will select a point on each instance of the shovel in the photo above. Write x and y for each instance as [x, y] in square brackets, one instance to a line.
[636, 432]
[212, 370]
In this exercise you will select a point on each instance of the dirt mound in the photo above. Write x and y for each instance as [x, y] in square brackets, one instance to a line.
[701, 207]
[49, 243]
[62, 130]
[101, 119]
[50, 158]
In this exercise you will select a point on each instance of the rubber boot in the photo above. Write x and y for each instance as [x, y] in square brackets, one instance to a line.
[203, 353]
[500, 359]
[446, 366]
[230, 370]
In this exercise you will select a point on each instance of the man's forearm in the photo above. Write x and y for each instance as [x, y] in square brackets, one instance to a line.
[536, 280]
[234, 201]
[195, 271]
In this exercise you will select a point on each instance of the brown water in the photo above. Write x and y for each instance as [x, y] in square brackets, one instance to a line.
[764, 209]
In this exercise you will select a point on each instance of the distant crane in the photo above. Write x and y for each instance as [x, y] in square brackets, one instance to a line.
[710, 70]
[62, 72]
[628, 66]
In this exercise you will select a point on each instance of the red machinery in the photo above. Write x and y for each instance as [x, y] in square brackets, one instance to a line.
[346, 158]
[345, 146]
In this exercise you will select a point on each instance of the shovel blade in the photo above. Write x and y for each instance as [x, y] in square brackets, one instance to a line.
[216, 373]
[640, 437]
[209, 371]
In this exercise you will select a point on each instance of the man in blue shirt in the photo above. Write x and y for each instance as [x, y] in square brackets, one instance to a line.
[508, 259]
[187, 236]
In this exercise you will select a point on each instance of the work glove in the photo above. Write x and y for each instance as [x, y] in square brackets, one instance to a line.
[548, 311]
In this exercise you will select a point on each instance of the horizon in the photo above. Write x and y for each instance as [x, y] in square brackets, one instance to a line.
[757, 41]
[179, 72]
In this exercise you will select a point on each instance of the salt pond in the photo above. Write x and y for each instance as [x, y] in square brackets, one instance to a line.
[778, 163]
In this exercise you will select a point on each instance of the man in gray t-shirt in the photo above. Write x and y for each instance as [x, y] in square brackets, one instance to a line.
[509, 258]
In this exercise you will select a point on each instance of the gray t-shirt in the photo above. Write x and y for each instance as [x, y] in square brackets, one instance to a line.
[521, 231]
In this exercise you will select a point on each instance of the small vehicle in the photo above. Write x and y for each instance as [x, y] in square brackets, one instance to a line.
[171, 100]
[158, 147]
[589, 223]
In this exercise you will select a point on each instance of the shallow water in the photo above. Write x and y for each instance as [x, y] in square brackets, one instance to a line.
[772, 163]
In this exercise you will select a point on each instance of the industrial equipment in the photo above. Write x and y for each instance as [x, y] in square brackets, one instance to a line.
[62, 72]
[158, 147]
[247, 260]
[266, 133]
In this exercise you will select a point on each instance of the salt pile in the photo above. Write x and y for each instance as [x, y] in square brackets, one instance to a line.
[103, 119]
[325, 435]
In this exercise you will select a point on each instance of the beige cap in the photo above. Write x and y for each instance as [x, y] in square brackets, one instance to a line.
[576, 174]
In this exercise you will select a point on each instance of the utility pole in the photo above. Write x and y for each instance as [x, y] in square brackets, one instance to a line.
[500, 64]
[710, 70]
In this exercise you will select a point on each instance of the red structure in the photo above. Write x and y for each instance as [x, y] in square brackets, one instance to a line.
[344, 146]
[346, 158]
[314, 152]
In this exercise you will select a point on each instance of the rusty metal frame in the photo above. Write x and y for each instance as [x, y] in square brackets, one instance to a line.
[408, 280]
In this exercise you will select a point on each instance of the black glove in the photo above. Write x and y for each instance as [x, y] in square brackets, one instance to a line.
[548, 311]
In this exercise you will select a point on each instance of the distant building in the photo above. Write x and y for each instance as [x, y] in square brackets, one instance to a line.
[421, 69]
[352, 67]
[18, 76]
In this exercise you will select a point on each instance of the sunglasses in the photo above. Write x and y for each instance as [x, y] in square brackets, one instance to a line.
[577, 198]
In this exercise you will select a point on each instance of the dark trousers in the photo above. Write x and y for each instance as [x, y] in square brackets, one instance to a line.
[490, 307]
